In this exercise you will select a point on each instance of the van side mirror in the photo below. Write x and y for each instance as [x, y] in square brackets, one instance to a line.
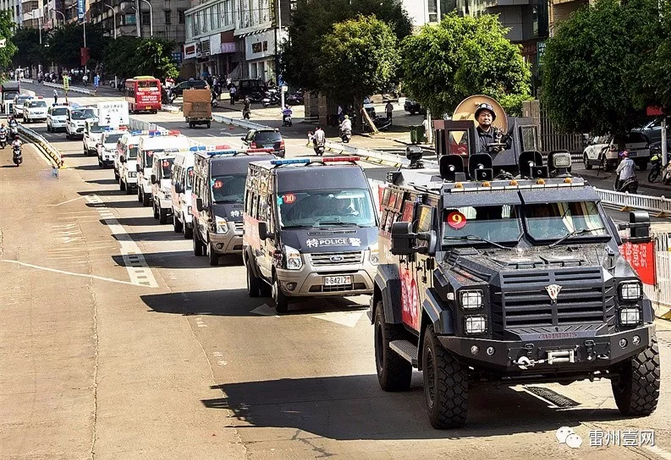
[264, 234]
[199, 204]
[153, 179]
[137, 168]
[122, 158]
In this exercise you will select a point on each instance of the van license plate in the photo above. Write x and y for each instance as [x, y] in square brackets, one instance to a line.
[337, 280]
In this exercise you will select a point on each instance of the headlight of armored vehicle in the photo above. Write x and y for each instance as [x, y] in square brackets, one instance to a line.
[475, 324]
[561, 160]
[374, 254]
[293, 257]
[630, 290]
[222, 225]
[630, 316]
[470, 300]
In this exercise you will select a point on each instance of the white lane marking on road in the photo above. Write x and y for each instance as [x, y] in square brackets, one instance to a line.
[265, 310]
[69, 201]
[84, 275]
[658, 451]
[199, 322]
[138, 271]
[344, 318]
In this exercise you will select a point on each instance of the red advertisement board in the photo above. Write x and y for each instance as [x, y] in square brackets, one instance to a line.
[641, 257]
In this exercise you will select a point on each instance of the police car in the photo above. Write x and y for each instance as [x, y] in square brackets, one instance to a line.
[57, 116]
[19, 100]
[34, 109]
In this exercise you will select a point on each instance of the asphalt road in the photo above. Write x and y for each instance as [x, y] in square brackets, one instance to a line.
[95, 365]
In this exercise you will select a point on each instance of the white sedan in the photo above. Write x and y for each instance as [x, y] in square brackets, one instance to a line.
[603, 151]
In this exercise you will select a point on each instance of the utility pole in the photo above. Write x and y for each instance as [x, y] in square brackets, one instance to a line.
[86, 71]
[278, 35]
[138, 15]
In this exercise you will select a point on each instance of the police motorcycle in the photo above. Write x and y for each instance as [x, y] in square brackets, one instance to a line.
[271, 98]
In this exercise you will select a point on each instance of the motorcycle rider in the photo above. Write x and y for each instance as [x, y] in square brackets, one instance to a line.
[286, 114]
[16, 143]
[346, 127]
[625, 170]
[319, 137]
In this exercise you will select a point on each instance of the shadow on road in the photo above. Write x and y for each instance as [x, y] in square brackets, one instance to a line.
[354, 407]
[236, 302]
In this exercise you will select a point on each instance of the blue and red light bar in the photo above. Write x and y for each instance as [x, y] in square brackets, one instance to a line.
[212, 150]
[156, 133]
[293, 161]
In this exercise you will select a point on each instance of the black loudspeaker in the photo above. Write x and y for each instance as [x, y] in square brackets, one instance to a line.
[484, 174]
[480, 166]
[528, 160]
[539, 172]
[450, 165]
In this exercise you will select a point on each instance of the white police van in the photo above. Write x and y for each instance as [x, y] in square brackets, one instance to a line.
[127, 148]
[182, 181]
[57, 117]
[34, 109]
[77, 116]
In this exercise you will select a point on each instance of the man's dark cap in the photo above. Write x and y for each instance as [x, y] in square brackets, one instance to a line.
[485, 106]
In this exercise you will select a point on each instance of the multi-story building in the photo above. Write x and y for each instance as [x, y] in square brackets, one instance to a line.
[235, 38]
[14, 7]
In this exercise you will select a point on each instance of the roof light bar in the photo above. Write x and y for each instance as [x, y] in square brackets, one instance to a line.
[156, 133]
[313, 160]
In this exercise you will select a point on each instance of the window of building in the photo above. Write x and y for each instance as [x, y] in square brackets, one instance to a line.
[227, 12]
[204, 23]
[189, 28]
[217, 14]
[181, 16]
[433, 10]
[168, 17]
[146, 18]
[213, 18]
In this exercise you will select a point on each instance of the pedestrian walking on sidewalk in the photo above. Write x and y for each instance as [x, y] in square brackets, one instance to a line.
[389, 108]
[232, 92]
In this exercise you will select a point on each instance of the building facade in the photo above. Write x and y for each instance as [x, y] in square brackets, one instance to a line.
[235, 38]
[14, 7]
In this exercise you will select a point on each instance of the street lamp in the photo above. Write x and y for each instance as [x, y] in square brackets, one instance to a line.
[151, 18]
[114, 17]
[61, 13]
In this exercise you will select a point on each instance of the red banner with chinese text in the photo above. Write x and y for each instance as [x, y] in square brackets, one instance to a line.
[641, 257]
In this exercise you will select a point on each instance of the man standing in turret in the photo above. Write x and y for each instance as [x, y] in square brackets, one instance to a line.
[487, 134]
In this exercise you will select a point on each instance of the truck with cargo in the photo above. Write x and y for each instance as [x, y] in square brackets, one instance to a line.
[197, 107]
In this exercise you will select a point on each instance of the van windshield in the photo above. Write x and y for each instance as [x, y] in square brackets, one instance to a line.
[166, 168]
[59, 111]
[132, 151]
[229, 188]
[316, 208]
[148, 158]
[189, 177]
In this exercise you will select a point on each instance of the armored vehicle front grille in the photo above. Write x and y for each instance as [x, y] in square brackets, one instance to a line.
[337, 258]
[523, 304]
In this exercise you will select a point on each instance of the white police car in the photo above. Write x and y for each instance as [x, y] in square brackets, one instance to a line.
[107, 147]
[34, 109]
[57, 117]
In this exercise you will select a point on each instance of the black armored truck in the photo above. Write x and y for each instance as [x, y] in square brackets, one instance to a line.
[503, 267]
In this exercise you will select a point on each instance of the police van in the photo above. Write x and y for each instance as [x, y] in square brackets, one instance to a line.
[182, 181]
[152, 142]
[57, 116]
[35, 109]
[310, 229]
[161, 185]
[217, 193]
[127, 159]
[75, 124]
[106, 149]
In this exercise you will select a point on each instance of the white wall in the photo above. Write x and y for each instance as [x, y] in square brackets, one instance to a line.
[416, 11]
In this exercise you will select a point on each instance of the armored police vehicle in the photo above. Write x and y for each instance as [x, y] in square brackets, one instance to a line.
[510, 274]
[310, 229]
[217, 193]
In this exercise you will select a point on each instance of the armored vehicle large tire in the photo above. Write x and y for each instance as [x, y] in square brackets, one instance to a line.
[636, 389]
[445, 384]
[393, 372]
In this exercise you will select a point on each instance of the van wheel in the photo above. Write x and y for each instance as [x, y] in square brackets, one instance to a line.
[162, 216]
[208, 124]
[139, 195]
[116, 177]
[636, 388]
[281, 301]
[129, 190]
[155, 210]
[188, 231]
[122, 185]
[393, 372]
[198, 246]
[177, 226]
[145, 199]
[253, 282]
[213, 257]
[445, 384]
[586, 162]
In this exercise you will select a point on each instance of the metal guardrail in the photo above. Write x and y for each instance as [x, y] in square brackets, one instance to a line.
[658, 205]
[237, 122]
[53, 153]
[72, 89]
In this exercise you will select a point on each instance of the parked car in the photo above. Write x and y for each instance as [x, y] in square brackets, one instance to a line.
[265, 139]
[653, 130]
[413, 107]
[603, 150]
[177, 90]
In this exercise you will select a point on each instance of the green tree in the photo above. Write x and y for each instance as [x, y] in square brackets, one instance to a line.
[312, 19]
[119, 57]
[6, 33]
[592, 67]
[463, 56]
[360, 57]
[655, 74]
[66, 42]
[153, 56]
[29, 50]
